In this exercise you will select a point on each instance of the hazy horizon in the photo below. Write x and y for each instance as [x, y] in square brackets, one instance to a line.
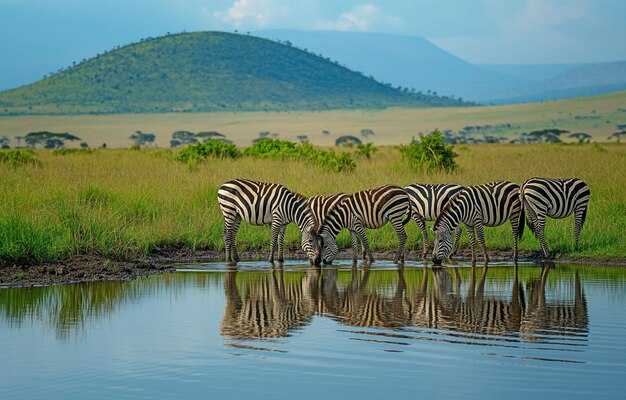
[50, 34]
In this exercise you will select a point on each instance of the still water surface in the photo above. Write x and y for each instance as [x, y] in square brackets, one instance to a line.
[207, 331]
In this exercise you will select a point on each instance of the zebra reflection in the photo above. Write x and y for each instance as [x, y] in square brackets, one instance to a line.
[272, 305]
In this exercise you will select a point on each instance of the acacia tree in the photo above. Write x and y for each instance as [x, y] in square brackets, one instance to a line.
[183, 138]
[49, 140]
[617, 136]
[210, 135]
[142, 139]
[581, 137]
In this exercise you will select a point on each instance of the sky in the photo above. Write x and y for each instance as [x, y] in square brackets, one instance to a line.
[40, 36]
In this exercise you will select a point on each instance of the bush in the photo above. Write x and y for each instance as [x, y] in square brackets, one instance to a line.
[366, 150]
[14, 158]
[211, 148]
[283, 149]
[430, 153]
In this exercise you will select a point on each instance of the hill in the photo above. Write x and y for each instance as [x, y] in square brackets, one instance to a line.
[583, 80]
[207, 71]
[407, 61]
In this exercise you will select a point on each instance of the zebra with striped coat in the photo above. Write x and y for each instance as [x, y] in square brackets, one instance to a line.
[427, 201]
[260, 203]
[371, 208]
[491, 204]
[556, 198]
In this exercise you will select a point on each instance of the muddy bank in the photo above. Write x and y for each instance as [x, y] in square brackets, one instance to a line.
[98, 268]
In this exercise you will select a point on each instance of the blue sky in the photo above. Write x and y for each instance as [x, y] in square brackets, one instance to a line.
[37, 34]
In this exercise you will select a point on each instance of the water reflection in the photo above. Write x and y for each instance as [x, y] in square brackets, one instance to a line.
[415, 304]
[530, 305]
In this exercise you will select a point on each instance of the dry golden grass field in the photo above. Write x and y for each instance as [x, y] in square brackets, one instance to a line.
[596, 115]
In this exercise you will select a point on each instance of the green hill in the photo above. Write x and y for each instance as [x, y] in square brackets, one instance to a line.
[207, 71]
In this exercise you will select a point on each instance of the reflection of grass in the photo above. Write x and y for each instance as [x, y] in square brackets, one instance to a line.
[124, 204]
[69, 308]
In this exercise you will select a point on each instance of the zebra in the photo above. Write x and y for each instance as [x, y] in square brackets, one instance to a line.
[261, 203]
[427, 201]
[556, 198]
[476, 206]
[370, 208]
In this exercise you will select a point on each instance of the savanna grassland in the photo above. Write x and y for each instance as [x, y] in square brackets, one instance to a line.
[126, 204]
[598, 116]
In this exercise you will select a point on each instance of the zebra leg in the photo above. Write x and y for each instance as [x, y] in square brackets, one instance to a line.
[234, 230]
[276, 226]
[364, 244]
[227, 243]
[281, 241]
[230, 221]
[355, 245]
[480, 234]
[472, 240]
[399, 228]
[515, 221]
[421, 224]
[540, 226]
[579, 220]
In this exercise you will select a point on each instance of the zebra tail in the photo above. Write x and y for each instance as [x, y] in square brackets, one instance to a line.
[408, 217]
[526, 217]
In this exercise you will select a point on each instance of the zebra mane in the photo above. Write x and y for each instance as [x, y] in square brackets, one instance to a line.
[445, 208]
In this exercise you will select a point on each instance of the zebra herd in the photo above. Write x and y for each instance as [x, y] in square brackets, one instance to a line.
[321, 218]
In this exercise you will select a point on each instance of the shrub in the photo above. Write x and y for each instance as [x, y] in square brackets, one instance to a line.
[366, 150]
[430, 153]
[14, 158]
[283, 149]
[271, 148]
[211, 148]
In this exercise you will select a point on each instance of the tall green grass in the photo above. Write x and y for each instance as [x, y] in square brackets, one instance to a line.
[124, 204]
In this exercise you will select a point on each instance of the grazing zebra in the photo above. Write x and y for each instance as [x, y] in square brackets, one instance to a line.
[371, 208]
[556, 198]
[260, 203]
[427, 201]
[477, 206]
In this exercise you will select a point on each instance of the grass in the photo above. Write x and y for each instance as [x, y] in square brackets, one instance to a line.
[123, 204]
[391, 126]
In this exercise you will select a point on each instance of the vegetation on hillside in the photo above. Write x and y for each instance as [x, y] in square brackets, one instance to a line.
[207, 71]
[125, 204]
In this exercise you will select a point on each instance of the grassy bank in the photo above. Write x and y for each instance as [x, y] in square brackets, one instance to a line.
[124, 204]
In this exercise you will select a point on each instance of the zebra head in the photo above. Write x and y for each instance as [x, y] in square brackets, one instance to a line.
[444, 226]
[310, 245]
[443, 243]
[329, 245]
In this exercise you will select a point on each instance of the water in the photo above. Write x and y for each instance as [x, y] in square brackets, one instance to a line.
[207, 331]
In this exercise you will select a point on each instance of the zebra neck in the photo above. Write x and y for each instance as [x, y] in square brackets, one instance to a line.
[301, 214]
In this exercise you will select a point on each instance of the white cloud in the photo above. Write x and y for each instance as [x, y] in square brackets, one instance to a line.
[251, 13]
[362, 17]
